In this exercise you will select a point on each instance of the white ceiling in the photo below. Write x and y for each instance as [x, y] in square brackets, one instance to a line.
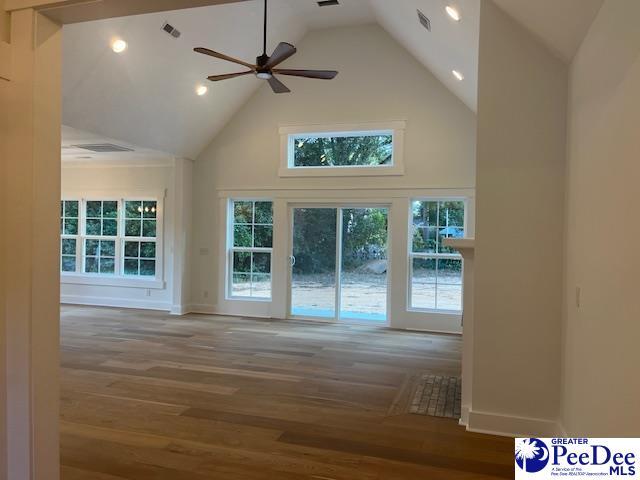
[146, 96]
[559, 24]
[73, 155]
[349, 12]
[449, 46]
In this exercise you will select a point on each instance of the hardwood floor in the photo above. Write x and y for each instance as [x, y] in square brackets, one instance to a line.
[146, 396]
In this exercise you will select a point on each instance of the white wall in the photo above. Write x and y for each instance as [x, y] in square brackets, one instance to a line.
[86, 181]
[601, 386]
[378, 81]
[519, 206]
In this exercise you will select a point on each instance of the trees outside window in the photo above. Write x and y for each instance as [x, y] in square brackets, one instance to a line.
[109, 237]
[140, 236]
[69, 224]
[251, 232]
[367, 149]
[436, 270]
[342, 150]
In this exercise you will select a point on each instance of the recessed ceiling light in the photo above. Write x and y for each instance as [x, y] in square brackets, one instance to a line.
[457, 74]
[453, 12]
[119, 46]
[202, 90]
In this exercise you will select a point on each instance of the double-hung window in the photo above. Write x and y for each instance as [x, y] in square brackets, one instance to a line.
[140, 232]
[110, 238]
[100, 237]
[251, 247]
[69, 224]
[436, 270]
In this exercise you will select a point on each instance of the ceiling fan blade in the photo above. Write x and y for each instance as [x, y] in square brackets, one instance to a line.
[222, 56]
[277, 86]
[321, 74]
[216, 78]
[280, 54]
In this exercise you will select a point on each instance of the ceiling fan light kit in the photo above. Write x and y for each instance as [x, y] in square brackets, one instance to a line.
[265, 66]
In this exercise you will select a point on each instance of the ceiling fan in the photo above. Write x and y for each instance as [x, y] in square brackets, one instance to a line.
[265, 65]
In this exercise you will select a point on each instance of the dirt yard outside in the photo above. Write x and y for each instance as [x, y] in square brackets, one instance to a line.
[364, 293]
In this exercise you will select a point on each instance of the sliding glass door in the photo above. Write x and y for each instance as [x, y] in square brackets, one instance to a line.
[363, 272]
[313, 263]
[339, 263]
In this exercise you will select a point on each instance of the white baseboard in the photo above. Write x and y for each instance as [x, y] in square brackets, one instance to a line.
[180, 310]
[464, 416]
[144, 305]
[511, 426]
[202, 308]
[215, 310]
[115, 302]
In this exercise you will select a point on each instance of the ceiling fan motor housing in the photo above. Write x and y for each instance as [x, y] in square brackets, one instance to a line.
[262, 72]
[262, 60]
[265, 64]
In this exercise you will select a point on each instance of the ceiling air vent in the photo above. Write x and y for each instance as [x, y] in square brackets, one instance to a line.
[328, 3]
[171, 30]
[103, 148]
[424, 20]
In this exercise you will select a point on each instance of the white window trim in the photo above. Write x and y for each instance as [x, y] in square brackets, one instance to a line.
[118, 279]
[111, 281]
[231, 249]
[286, 149]
[399, 220]
[411, 254]
[76, 238]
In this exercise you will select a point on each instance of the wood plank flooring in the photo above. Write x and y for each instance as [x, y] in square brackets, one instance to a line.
[146, 396]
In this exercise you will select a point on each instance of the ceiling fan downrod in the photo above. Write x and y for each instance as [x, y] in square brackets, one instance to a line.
[264, 49]
[265, 66]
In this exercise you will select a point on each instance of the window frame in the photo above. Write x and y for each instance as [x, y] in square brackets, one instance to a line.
[64, 236]
[287, 134]
[411, 255]
[79, 277]
[84, 237]
[231, 249]
[141, 238]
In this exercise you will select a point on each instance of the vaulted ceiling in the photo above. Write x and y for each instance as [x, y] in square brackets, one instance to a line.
[559, 24]
[146, 96]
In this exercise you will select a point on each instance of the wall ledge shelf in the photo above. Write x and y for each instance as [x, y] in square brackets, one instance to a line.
[460, 244]
[466, 247]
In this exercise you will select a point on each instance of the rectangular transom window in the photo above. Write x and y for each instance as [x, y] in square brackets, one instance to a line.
[435, 281]
[251, 247]
[342, 150]
[114, 238]
[363, 149]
